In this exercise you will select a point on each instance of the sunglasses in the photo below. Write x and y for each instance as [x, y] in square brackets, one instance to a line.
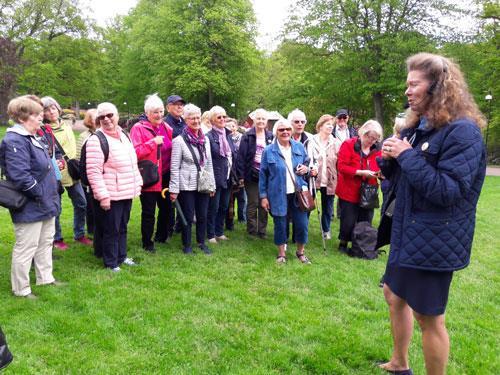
[342, 117]
[220, 117]
[299, 121]
[281, 130]
[109, 115]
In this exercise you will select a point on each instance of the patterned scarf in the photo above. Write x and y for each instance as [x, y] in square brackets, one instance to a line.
[197, 141]
[225, 150]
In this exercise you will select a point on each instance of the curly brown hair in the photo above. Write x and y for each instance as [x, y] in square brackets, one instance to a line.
[450, 98]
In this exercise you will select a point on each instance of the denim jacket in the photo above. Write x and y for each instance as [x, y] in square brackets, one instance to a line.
[272, 177]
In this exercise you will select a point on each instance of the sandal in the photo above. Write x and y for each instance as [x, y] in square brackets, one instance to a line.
[280, 259]
[302, 258]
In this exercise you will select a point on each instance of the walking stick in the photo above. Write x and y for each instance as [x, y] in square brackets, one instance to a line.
[177, 207]
[319, 215]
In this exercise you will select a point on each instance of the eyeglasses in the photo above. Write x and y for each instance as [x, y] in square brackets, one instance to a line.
[109, 115]
[342, 117]
[281, 130]
[220, 117]
[299, 121]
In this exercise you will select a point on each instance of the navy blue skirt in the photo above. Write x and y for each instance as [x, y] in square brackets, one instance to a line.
[426, 292]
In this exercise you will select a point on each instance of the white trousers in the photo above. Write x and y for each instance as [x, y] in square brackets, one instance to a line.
[33, 243]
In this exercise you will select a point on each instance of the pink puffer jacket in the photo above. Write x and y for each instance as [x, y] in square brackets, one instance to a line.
[119, 177]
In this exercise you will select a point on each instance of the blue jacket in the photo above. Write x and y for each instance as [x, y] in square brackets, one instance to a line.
[439, 181]
[272, 176]
[27, 164]
[177, 124]
[220, 164]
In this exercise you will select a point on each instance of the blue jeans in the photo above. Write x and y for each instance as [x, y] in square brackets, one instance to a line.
[326, 209]
[217, 209]
[77, 196]
[299, 219]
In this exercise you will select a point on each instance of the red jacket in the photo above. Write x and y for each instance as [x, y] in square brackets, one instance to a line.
[349, 161]
[146, 148]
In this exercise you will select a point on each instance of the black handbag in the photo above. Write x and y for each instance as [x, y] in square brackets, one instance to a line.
[10, 197]
[368, 196]
[73, 165]
[5, 354]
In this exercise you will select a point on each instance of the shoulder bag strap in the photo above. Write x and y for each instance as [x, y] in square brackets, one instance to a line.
[157, 146]
[290, 172]
[61, 149]
[192, 153]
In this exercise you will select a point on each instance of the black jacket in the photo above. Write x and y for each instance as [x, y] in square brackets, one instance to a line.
[246, 154]
[220, 164]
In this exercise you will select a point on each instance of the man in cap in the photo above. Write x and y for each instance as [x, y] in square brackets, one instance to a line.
[175, 108]
[342, 130]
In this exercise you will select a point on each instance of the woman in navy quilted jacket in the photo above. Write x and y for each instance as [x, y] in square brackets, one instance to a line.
[439, 164]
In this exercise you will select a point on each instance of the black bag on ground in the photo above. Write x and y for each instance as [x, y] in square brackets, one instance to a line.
[5, 354]
[364, 240]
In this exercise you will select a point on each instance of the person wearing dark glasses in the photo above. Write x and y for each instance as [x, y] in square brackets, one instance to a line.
[115, 182]
[342, 131]
[223, 161]
[283, 168]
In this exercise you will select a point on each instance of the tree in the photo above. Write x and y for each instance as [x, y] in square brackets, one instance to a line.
[31, 25]
[201, 49]
[372, 39]
[9, 67]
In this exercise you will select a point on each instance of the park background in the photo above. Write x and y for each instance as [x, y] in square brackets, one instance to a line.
[237, 312]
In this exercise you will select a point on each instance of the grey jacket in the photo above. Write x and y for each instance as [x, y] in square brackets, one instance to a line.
[183, 170]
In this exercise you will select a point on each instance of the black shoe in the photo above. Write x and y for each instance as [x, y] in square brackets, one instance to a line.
[188, 251]
[205, 249]
[150, 248]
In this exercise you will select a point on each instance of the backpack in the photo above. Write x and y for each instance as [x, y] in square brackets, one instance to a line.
[83, 156]
[364, 240]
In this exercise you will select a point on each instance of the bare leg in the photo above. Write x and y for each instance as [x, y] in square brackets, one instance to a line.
[402, 329]
[435, 342]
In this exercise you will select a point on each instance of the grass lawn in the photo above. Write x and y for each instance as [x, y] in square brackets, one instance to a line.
[237, 312]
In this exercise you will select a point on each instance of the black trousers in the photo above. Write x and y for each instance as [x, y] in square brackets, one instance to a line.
[193, 202]
[98, 228]
[166, 216]
[90, 210]
[350, 214]
[113, 231]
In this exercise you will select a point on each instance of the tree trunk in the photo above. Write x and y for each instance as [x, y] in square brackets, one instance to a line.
[77, 110]
[378, 105]
[9, 70]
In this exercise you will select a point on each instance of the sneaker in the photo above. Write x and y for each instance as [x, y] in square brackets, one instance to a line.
[29, 296]
[129, 262]
[205, 249]
[61, 245]
[115, 269]
[327, 235]
[212, 240]
[188, 251]
[58, 283]
[221, 238]
[84, 241]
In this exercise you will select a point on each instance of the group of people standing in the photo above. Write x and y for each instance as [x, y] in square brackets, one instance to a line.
[435, 169]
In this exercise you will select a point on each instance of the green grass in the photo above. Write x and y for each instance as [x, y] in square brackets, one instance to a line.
[237, 312]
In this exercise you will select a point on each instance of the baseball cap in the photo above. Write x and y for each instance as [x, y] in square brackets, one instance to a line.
[341, 112]
[175, 98]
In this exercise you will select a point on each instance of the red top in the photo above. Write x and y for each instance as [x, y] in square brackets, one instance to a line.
[349, 161]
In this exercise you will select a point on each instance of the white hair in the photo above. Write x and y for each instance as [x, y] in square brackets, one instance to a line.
[281, 121]
[152, 102]
[215, 110]
[260, 111]
[371, 126]
[105, 108]
[190, 109]
[296, 113]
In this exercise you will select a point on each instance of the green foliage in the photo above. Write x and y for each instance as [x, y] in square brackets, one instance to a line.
[207, 53]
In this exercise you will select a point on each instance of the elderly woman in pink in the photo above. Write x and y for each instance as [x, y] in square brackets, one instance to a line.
[115, 180]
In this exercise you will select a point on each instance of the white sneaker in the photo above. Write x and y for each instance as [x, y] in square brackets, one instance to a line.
[129, 262]
[222, 238]
[212, 240]
[327, 235]
[116, 269]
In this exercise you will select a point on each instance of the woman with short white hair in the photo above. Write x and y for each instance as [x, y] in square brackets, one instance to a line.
[192, 165]
[356, 164]
[152, 139]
